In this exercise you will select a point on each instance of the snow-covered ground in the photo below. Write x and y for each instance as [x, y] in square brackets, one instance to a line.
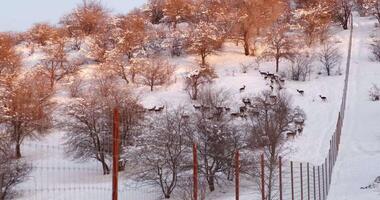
[58, 177]
[358, 163]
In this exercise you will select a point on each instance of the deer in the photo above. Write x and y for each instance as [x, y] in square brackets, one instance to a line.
[247, 101]
[159, 109]
[242, 88]
[227, 109]
[235, 114]
[301, 92]
[152, 109]
[263, 73]
[323, 98]
[196, 107]
[291, 134]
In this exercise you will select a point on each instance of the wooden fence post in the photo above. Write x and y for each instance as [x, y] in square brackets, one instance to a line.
[323, 183]
[280, 175]
[237, 175]
[262, 178]
[308, 181]
[315, 192]
[301, 177]
[195, 172]
[115, 160]
[319, 184]
[291, 178]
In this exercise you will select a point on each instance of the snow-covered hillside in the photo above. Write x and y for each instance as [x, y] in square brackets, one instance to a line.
[358, 162]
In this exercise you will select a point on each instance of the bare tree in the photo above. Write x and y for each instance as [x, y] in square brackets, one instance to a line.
[89, 128]
[27, 108]
[156, 71]
[375, 47]
[330, 57]
[301, 66]
[217, 137]
[269, 119]
[160, 153]
[280, 45]
[343, 10]
[196, 79]
[12, 171]
[56, 64]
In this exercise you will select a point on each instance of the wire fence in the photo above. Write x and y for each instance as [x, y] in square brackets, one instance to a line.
[297, 180]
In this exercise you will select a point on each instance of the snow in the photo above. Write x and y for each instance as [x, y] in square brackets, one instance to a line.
[58, 177]
[359, 157]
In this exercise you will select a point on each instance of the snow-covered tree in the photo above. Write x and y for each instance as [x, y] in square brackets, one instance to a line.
[89, 127]
[217, 136]
[268, 120]
[375, 48]
[373, 7]
[161, 154]
[12, 171]
[330, 57]
[198, 78]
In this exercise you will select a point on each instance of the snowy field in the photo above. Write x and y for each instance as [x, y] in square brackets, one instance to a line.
[357, 165]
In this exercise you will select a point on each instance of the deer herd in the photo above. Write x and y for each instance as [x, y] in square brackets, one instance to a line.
[275, 81]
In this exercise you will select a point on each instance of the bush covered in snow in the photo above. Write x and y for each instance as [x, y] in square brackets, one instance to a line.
[374, 93]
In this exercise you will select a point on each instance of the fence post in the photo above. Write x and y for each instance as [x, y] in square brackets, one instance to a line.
[308, 181]
[115, 160]
[327, 178]
[262, 178]
[319, 184]
[237, 175]
[301, 177]
[195, 172]
[280, 174]
[323, 183]
[315, 193]
[291, 178]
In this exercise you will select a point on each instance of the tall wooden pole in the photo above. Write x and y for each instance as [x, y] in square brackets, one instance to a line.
[262, 178]
[237, 175]
[115, 161]
[195, 172]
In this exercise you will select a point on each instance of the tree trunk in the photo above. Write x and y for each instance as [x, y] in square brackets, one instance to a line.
[246, 44]
[18, 150]
[277, 63]
[203, 56]
[106, 169]
[167, 196]
[211, 182]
